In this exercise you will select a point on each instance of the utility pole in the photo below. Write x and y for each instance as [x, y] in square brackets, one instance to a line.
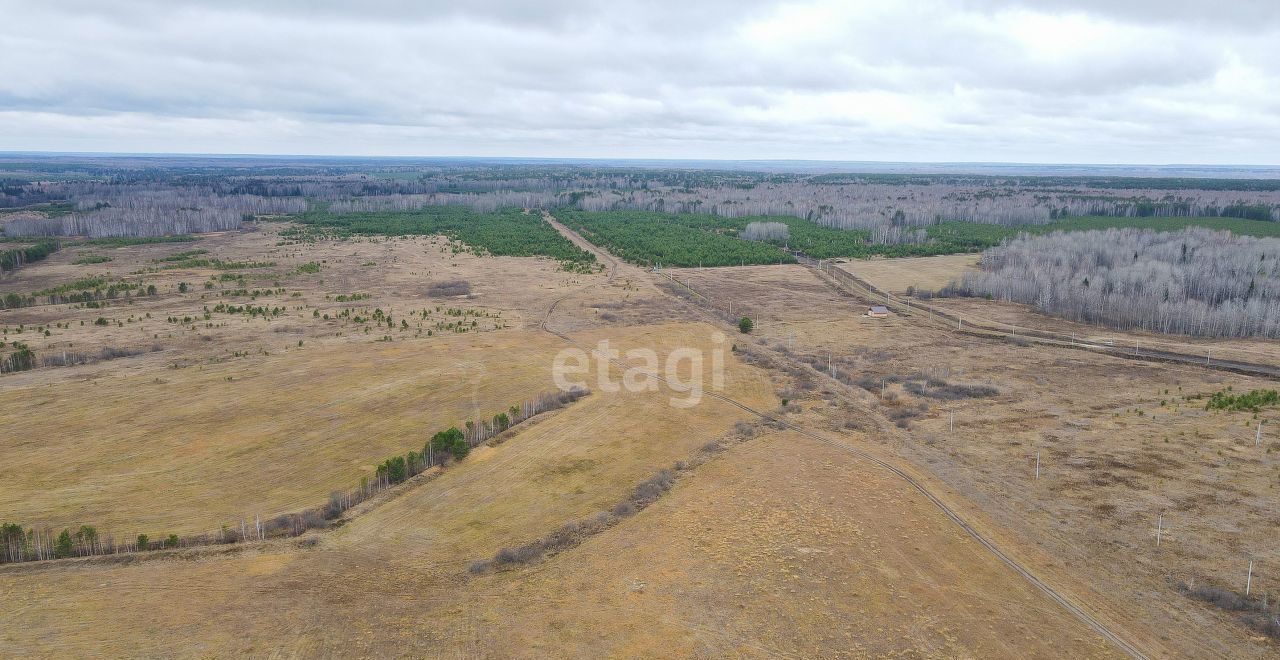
[1257, 439]
[1037, 465]
[1248, 583]
[1159, 528]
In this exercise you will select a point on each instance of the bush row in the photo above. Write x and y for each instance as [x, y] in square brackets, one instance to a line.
[19, 544]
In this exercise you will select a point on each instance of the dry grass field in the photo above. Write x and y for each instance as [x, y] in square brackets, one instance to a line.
[1119, 447]
[767, 552]
[932, 273]
[1008, 315]
[235, 415]
[919, 273]
[225, 442]
[394, 581]
[769, 544]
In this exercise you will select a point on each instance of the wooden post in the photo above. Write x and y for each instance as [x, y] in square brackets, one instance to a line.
[1248, 583]
[1159, 528]
[1037, 465]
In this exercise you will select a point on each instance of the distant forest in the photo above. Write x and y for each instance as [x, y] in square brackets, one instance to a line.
[156, 196]
[1193, 282]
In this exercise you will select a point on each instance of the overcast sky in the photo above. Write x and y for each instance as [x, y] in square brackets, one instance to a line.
[1089, 81]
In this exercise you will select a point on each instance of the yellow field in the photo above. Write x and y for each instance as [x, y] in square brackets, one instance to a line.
[1119, 446]
[773, 544]
[778, 547]
[364, 587]
[922, 273]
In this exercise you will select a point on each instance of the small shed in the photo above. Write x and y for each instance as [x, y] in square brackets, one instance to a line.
[878, 312]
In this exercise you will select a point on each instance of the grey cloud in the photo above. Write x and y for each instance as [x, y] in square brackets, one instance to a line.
[933, 79]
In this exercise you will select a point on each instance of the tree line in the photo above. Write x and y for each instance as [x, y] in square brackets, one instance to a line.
[14, 257]
[112, 198]
[1192, 282]
[21, 544]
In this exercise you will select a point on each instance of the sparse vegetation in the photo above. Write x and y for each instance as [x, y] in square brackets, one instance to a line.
[449, 289]
[1256, 613]
[1252, 401]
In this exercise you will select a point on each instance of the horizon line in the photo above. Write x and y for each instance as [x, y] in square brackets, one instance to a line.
[1247, 171]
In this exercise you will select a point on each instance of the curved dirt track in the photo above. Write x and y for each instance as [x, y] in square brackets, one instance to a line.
[1075, 609]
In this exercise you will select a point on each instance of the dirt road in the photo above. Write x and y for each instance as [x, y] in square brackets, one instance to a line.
[838, 278]
[1026, 572]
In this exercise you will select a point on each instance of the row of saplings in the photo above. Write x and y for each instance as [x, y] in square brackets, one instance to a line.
[31, 545]
[18, 544]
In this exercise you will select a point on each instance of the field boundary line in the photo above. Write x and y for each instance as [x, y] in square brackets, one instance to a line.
[838, 278]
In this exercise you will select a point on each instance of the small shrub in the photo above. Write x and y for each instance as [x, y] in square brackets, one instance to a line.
[449, 289]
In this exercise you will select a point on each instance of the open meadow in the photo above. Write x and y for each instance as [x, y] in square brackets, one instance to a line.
[844, 485]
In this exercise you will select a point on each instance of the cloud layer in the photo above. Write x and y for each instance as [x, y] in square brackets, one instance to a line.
[1137, 81]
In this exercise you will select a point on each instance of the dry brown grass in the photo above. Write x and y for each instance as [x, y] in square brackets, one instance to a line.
[779, 546]
[923, 273]
[1107, 472]
[997, 314]
[368, 587]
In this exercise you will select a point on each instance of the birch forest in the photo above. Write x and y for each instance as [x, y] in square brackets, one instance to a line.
[1193, 282]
